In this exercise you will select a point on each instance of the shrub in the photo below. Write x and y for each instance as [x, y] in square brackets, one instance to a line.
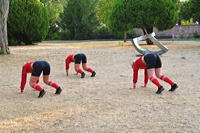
[27, 22]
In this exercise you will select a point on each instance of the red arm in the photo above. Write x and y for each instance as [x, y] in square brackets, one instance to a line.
[135, 74]
[67, 61]
[23, 78]
[145, 77]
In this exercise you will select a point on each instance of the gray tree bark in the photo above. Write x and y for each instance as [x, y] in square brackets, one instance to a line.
[4, 9]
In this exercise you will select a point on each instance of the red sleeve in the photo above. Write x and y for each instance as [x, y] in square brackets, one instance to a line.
[23, 78]
[67, 61]
[135, 74]
[145, 76]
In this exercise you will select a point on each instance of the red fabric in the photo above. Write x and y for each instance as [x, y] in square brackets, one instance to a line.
[89, 70]
[138, 64]
[146, 76]
[50, 83]
[68, 60]
[155, 81]
[166, 79]
[25, 69]
[79, 70]
[36, 86]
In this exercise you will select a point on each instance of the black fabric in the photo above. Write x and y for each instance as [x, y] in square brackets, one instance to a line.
[39, 67]
[80, 58]
[152, 60]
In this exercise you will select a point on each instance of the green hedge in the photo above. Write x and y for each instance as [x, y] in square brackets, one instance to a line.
[27, 22]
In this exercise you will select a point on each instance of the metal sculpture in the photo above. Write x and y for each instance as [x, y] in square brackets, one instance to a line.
[151, 36]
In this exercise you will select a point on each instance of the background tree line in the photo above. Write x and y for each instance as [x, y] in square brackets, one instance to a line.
[31, 21]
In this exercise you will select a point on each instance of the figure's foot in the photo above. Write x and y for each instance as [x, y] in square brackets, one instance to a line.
[41, 94]
[82, 75]
[174, 87]
[93, 74]
[58, 91]
[160, 89]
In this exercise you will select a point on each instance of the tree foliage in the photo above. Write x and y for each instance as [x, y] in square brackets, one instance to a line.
[185, 10]
[54, 9]
[190, 10]
[195, 9]
[127, 14]
[79, 18]
[27, 21]
[103, 10]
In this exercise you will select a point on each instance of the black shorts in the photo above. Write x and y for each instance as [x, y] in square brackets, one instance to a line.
[39, 67]
[80, 58]
[152, 60]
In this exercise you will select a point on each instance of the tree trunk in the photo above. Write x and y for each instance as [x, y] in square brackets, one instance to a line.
[4, 9]
[125, 36]
[179, 22]
[148, 31]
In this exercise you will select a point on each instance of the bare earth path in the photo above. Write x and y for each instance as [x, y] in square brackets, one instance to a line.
[105, 103]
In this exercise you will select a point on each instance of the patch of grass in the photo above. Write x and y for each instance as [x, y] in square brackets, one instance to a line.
[120, 43]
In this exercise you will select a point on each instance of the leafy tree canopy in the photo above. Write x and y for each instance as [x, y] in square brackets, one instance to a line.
[27, 21]
[145, 14]
[79, 18]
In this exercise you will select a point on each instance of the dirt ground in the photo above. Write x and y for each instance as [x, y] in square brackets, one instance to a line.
[105, 103]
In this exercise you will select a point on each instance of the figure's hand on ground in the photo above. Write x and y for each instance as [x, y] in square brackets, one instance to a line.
[144, 86]
[67, 73]
[76, 74]
[134, 85]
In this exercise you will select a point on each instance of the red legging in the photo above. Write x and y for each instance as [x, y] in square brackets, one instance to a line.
[36, 86]
[50, 83]
[89, 70]
[157, 71]
[163, 77]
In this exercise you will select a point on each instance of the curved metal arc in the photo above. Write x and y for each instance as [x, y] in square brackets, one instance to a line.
[153, 39]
